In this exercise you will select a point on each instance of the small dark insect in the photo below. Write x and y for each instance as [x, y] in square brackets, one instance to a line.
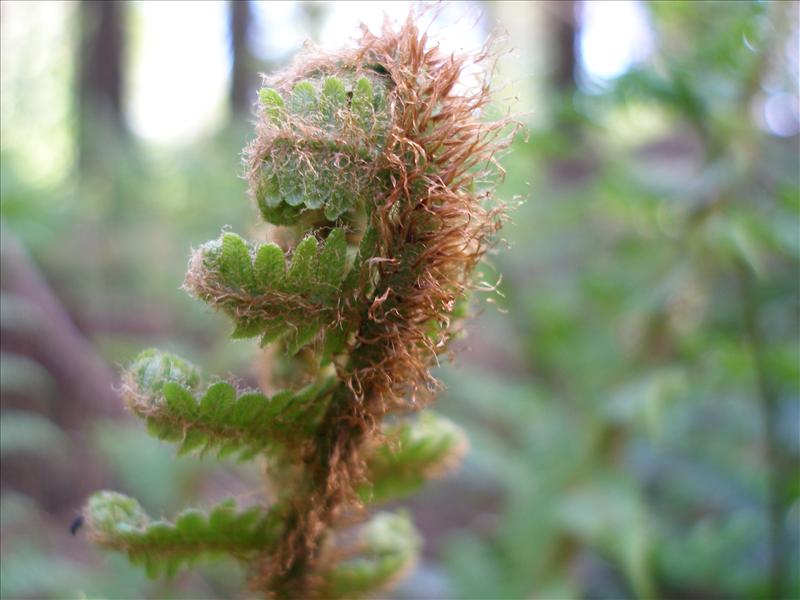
[76, 524]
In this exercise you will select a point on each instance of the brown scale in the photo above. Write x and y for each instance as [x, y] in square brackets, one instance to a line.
[435, 222]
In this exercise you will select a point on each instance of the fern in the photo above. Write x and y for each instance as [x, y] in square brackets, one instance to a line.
[264, 297]
[162, 389]
[343, 123]
[376, 168]
[413, 452]
[119, 522]
[387, 547]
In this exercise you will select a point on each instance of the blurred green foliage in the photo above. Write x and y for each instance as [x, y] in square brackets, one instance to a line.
[632, 412]
[643, 422]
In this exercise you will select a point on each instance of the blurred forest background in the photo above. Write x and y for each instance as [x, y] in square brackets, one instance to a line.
[633, 401]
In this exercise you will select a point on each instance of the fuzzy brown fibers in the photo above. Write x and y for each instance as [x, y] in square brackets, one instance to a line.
[435, 221]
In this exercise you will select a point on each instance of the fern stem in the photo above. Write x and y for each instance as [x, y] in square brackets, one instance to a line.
[316, 504]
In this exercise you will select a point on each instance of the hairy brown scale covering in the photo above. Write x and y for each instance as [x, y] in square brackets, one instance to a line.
[435, 221]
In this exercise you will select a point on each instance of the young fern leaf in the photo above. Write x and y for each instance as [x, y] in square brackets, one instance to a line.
[386, 549]
[118, 522]
[158, 389]
[412, 453]
[326, 134]
[253, 286]
[384, 142]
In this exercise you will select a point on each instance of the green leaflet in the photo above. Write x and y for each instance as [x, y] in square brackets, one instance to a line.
[413, 452]
[390, 546]
[362, 102]
[321, 157]
[254, 286]
[300, 278]
[222, 419]
[270, 265]
[119, 522]
[304, 99]
[235, 262]
[272, 103]
[333, 99]
[336, 336]
[331, 266]
[301, 335]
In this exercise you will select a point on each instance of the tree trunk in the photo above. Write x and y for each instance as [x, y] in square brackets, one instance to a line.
[241, 96]
[564, 44]
[100, 72]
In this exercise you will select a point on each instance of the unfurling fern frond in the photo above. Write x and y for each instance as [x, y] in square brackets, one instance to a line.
[163, 389]
[385, 549]
[374, 167]
[262, 295]
[411, 453]
[117, 521]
